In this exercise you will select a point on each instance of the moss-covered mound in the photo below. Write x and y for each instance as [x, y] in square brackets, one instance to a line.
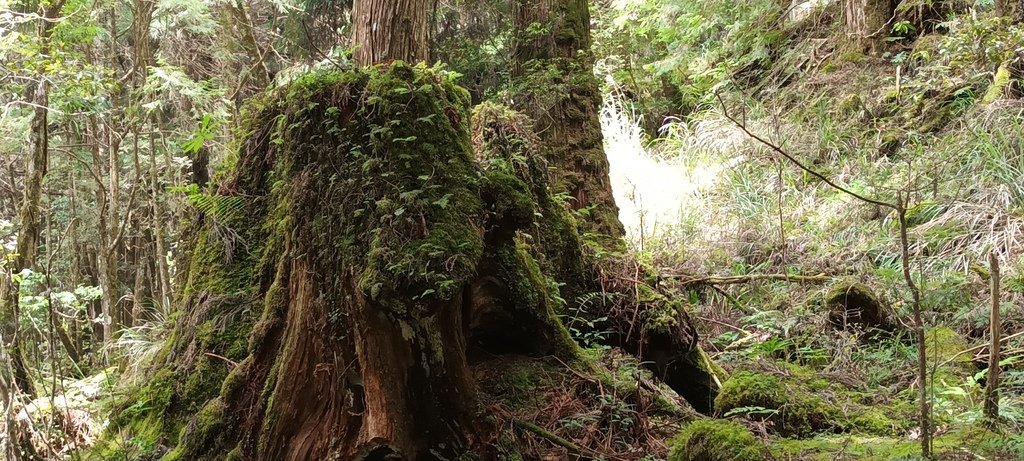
[790, 407]
[716, 440]
[857, 304]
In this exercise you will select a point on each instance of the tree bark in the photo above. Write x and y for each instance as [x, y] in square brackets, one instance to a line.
[866, 20]
[555, 86]
[390, 30]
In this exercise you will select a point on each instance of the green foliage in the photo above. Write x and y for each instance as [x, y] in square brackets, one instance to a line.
[695, 45]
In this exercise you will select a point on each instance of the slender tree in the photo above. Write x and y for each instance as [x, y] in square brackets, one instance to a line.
[995, 336]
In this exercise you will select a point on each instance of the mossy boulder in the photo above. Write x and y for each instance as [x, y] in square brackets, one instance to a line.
[856, 304]
[716, 440]
[787, 405]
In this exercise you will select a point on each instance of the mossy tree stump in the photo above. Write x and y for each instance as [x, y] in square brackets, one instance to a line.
[360, 248]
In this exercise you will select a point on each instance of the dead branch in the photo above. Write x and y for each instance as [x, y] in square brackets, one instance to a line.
[687, 280]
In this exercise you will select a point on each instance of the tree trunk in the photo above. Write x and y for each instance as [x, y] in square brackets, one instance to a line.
[163, 273]
[390, 30]
[1011, 9]
[995, 335]
[368, 289]
[555, 86]
[866, 20]
[354, 244]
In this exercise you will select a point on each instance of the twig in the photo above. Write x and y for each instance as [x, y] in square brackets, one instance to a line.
[980, 346]
[229, 361]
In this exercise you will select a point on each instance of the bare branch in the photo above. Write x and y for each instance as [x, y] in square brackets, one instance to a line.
[775, 148]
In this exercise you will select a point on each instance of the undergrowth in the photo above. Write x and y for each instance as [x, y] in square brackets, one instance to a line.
[924, 115]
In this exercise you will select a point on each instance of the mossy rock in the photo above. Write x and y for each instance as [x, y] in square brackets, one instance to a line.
[945, 345]
[789, 407]
[716, 440]
[999, 85]
[857, 304]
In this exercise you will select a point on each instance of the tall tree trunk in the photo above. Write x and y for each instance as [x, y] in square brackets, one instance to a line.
[555, 86]
[390, 30]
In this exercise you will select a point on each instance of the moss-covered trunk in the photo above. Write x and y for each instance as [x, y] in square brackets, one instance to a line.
[555, 86]
[616, 297]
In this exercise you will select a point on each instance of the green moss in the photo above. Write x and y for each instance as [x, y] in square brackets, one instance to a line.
[852, 447]
[943, 344]
[716, 440]
[975, 438]
[508, 200]
[791, 408]
[201, 438]
[875, 421]
[998, 88]
[851, 56]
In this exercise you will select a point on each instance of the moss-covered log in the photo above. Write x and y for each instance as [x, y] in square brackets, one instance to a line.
[337, 279]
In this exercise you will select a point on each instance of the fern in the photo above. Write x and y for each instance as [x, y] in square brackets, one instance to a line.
[222, 208]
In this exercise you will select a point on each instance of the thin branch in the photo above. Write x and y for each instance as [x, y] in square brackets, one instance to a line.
[775, 148]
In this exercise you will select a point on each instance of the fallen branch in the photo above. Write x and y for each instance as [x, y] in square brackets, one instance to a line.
[980, 346]
[734, 279]
[554, 438]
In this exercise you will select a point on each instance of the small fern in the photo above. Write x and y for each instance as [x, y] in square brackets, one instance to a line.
[222, 208]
